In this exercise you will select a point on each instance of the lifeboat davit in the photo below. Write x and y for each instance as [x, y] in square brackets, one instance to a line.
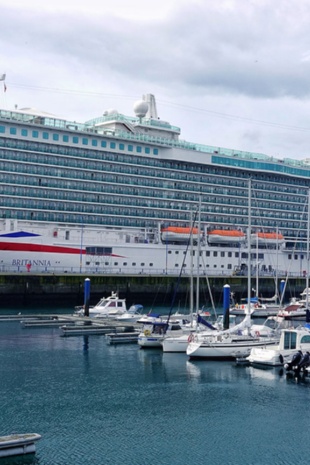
[225, 236]
[262, 238]
[178, 234]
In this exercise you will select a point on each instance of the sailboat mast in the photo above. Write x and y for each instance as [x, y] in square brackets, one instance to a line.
[192, 266]
[249, 247]
[308, 237]
[198, 257]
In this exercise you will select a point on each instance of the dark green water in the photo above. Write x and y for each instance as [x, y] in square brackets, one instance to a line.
[96, 404]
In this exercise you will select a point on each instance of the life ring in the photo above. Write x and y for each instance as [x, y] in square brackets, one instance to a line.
[190, 337]
[147, 332]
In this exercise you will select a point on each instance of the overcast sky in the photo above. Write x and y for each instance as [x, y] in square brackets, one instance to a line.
[229, 73]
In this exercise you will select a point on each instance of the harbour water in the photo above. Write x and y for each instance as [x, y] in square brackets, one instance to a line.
[96, 404]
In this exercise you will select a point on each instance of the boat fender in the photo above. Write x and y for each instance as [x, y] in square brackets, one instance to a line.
[281, 359]
[190, 338]
[257, 333]
[147, 332]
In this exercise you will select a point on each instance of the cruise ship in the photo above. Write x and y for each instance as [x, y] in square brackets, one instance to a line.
[120, 194]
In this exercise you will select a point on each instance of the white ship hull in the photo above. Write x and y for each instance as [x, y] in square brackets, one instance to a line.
[51, 248]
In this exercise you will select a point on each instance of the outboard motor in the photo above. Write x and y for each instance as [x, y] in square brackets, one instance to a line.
[295, 361]
[303, 364]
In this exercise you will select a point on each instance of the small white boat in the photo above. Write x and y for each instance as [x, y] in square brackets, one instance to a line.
[291, 341]
[107, 307]
[18, 444]
[133, 314]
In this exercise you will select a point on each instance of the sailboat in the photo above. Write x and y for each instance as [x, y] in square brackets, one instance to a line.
[236, 342]
[153, 334]
[178, 343]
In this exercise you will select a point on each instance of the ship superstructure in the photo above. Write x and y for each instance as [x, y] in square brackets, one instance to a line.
[99, 196]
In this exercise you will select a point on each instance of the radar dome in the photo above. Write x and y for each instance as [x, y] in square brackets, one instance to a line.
[140, 108]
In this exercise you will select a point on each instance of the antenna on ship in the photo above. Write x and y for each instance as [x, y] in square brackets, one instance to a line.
[152, 111]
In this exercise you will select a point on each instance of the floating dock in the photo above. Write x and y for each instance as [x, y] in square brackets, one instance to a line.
[122, 338]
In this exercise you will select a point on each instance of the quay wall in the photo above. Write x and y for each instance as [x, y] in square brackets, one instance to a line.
[29, 289]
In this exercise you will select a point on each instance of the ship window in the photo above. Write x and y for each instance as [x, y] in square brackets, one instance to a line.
[214, 254]
[124, 263]
[24, 132]
[155, 151]
[229, 254]
[169, 252]
[106, 263]
[176, 265]
[147, 150]
[115, 263]
[130, 148]
[94, 143]
[75, 139]
[207, 253]
[12, 130]
[35, 133]
[97, 263]
[2, 129]
[177, 252]
[121, 146]
[295, 257]
[142, 264]
[134, 264]
[84, 141]
[305, 340]
[67, 235]
[112, 145]
[222, 254]
[45, 135]
[55, 136]
[229, 267]
[151, 264]
[87, 263]
[139, 149]
[65, 138]
[237, 254]
[103, 143]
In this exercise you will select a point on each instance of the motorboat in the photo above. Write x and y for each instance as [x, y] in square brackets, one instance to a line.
[132, 315]
[18, 444]
[291, 341]
[107, 307]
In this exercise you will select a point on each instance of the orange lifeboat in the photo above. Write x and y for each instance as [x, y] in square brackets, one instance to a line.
[226, 236]
[264, 238]
[178, 234]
